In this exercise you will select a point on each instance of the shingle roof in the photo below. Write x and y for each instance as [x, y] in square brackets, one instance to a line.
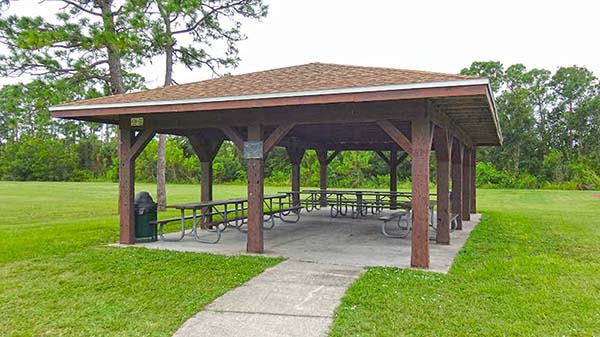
[307, 77]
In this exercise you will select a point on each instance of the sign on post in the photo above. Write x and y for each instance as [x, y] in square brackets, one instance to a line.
[253, 149]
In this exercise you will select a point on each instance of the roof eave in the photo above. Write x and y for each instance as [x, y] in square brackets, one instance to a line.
[354, 90]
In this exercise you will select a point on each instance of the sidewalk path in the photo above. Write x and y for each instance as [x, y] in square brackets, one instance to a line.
[292, 298]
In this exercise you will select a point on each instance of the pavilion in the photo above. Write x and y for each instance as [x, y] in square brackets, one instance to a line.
[324, 107]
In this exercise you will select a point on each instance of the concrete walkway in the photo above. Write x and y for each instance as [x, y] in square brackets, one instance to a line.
[298, 297]
[293, 298]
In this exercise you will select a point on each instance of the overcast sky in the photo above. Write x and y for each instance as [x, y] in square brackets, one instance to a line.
[443, 36]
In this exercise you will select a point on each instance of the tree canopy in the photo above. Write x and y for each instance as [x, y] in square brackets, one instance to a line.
[550, 119]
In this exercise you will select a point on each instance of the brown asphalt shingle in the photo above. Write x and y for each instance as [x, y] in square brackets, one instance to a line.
[307, 77]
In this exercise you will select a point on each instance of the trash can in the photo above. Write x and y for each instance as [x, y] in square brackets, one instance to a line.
[145, 212]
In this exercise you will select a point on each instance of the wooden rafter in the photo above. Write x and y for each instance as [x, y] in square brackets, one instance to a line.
[383, 156]
[139, 142]
[396, 135]
[276, 136]
[403, 156]
[295, 154]
[332, 156]
[440, 118]
[206, 148]
[234, 136]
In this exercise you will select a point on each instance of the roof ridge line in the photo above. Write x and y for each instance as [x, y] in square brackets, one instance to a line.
[401, 69]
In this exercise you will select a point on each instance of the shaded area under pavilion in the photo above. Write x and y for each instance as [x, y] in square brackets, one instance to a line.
[324, 107]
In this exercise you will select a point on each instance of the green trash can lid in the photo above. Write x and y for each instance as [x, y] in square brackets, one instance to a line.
[144, 203]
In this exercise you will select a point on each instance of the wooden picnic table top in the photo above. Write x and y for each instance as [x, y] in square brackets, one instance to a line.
[345, 192]
[197, 205]
[355, 192]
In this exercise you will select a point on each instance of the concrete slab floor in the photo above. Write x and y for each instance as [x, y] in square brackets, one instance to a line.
[339, 241]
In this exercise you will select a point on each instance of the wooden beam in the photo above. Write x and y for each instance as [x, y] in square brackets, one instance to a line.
[393, 167]
[332, 156]
[421, 147]
[443, 148]
[466, 185]
[234, 136]
[140, 141]
[456, 172]
[396, 135]
[441, 119]
[352, 146]
[206, 147]
[322, 157]
[299, 115]
[206, 181]
[473, 181]
[255, 167]
[296, 154]
[126, 183]
[275, 137]
[402, 157]
[383, 156]
[389, 95]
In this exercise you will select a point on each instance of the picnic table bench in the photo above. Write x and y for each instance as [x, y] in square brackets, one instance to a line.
[404, 217]
[215, 216]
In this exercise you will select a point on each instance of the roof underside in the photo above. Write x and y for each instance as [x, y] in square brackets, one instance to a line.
[329, 89]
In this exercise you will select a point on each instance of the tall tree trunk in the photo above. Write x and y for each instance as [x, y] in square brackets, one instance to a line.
[161, 177]
[112, 51]
[161, 180]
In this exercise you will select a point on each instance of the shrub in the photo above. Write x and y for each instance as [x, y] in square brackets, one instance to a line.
[526, 181]
[584, 177]
[488, 176]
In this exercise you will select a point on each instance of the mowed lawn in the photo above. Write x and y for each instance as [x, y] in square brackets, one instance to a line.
[531, 268]
[58, 278]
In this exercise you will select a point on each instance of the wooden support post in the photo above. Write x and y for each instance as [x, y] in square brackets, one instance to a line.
[130, 146]
[443, 147]
[206, 181]
[393, 164]
[295, 183]
[126, 184]
[255, 167]
[206, 147]
[457, 180]
[466, 185]
[322, 157]
[473, 182]
[296, 154]
[421, 147]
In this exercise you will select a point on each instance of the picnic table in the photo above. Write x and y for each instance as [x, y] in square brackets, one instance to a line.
[359, 202]
[217, 215]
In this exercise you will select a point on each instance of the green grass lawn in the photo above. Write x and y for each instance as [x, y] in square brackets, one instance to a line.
[531, 268]
[58, 278]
